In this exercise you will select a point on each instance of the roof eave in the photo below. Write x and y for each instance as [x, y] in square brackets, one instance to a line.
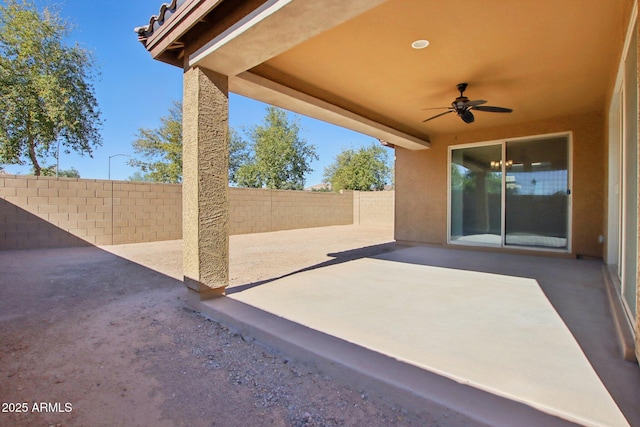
[164, 40]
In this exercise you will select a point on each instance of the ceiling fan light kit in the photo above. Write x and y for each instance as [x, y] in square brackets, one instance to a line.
[462, 107]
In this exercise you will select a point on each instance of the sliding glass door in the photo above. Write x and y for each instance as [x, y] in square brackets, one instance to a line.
[476, 194]
[537, 187]
[511, 193]
[629, 180]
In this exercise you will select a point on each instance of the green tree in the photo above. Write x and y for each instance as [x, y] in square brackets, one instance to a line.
[239, 154]
[492, 181]
[280, 158]
[64, 173]
[366, 169]
[46, 96]
[161, 149]
[139, 177]
[457, 177]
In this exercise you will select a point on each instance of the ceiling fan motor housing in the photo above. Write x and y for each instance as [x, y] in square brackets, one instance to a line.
[460, 104]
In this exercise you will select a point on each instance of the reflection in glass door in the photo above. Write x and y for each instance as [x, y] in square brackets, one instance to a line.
[536, 196]
[476, 193]
[629, 163]
[513, 193]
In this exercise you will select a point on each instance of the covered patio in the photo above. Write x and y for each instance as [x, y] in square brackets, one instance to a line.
[486, 339]
[548, 191]
[511, 332]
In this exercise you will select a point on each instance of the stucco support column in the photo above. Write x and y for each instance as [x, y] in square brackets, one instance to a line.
[205, 204]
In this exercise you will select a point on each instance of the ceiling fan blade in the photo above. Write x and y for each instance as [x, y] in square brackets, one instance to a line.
[467, 117]
[437, 115]
[491, 109]
[476, 102]
[435, 108]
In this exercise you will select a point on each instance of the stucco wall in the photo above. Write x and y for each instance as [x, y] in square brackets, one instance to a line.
[421, 180]
[50, 212]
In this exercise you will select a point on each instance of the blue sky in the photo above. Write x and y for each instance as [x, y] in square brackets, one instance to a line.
[134, 91]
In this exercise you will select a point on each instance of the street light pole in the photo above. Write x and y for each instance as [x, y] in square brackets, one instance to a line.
[115, 155]
[58, 159]
[112, 214]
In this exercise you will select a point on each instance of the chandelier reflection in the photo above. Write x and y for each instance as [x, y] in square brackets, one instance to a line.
[497, 164]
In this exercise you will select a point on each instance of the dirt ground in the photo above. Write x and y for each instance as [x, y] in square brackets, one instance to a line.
[102, 337]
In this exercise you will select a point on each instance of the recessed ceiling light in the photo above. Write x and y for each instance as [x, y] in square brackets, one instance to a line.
[420, 44]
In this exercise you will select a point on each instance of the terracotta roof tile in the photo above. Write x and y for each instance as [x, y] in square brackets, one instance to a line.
[166, 10]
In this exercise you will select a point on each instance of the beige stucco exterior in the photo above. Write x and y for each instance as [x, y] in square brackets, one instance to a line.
[421, 180]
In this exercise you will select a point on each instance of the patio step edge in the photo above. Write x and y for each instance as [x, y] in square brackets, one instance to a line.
[451, 403]
[623, 330]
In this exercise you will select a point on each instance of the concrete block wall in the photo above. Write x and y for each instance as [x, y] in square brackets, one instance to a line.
[249, 210]
[374, 208]
[43, 212]
[46, 212]
[260, 210]
[146, 212]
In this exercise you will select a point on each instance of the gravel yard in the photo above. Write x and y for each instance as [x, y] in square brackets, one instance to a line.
[102, 337]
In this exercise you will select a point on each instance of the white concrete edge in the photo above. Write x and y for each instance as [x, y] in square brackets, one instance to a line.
[270, 92]
[393, 380]
[264, 11]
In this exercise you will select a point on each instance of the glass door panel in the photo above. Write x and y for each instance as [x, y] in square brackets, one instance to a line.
[630, 178]
[536, 193]
[476, 194]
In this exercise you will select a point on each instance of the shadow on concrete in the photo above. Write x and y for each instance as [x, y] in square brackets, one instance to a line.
[338, 258]
[576, 290]
[22, 229]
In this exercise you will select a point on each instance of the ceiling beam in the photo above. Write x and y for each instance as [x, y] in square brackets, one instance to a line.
[270, 92]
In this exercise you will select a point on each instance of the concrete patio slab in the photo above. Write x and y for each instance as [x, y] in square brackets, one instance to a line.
[495, 332]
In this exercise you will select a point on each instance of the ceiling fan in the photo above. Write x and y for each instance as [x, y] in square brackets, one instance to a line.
[462, 107]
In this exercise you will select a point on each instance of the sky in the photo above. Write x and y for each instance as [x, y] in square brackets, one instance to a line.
[134, 91]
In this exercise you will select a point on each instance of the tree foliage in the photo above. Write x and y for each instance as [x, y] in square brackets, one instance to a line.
[239, 154]
[138, 176]
[45, 91]
[366, 169]
[64, 173]
[161, 149]
[280, 157]
[277, 157]
[465, 180]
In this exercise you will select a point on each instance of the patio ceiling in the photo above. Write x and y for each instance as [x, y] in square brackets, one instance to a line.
[353, 64]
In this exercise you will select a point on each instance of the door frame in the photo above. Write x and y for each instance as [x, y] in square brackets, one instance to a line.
[503, 143]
